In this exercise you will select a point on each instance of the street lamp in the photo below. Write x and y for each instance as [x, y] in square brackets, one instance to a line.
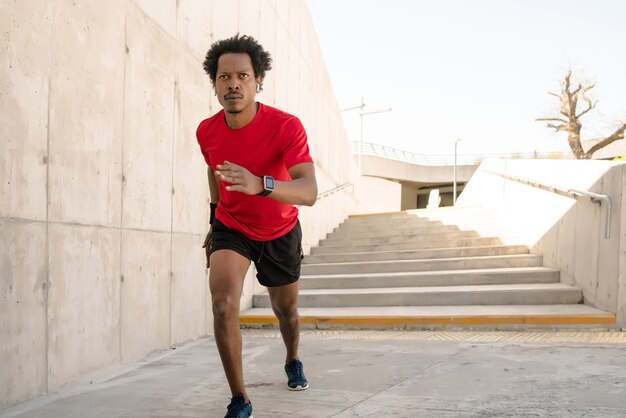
[454, 180]
[361, 114]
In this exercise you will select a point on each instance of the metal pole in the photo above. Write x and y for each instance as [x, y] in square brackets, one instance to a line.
[454, 180]
[361, 140]
[361, 114]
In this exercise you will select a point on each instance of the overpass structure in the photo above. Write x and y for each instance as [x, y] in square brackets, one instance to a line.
[418, 179]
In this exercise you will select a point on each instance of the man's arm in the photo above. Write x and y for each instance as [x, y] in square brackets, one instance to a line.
[214, 191]
[214, 188]
[300, 190]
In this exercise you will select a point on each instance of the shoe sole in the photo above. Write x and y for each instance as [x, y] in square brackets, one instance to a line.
[297, 388]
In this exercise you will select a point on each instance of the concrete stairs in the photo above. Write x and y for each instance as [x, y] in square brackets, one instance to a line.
[430, 269]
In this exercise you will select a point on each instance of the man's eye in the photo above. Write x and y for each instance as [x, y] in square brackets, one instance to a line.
[244, 75]
[223, 77]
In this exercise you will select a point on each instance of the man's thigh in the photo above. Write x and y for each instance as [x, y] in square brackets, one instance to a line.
[227, 273]
[284, 298]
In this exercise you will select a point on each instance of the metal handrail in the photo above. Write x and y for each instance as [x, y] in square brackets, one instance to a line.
[571, 193]
[334, 190]
[391, 153]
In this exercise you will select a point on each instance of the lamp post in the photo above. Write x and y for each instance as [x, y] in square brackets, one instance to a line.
[361, 114]
[454, 180]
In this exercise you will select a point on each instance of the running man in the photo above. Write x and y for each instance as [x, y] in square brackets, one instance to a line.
[258, 168]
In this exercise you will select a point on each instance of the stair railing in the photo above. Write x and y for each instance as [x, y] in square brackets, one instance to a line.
[572, 193]
[334, 190]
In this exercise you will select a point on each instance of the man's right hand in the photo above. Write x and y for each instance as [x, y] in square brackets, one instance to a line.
[208, 243]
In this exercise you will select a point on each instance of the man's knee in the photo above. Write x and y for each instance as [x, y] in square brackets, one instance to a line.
[286, 315]
[225, 307]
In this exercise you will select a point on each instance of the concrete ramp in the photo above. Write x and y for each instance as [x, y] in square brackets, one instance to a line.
[430, 269]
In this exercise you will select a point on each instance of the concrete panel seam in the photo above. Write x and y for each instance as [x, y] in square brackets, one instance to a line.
[102, 226]
[47, 336]
[174, 125]
[279, 18]
[154, 22]
[173, 38]
[181, 46]
[23, 220]
[123, 180]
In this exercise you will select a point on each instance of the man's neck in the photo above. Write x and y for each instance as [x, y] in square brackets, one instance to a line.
[241, 119]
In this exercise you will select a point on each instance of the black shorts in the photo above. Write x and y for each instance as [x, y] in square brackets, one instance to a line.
[277, 261]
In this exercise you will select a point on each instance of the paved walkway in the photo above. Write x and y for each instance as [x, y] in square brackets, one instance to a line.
[369, 374]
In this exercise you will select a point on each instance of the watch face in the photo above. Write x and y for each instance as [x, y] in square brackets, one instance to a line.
[269, 183]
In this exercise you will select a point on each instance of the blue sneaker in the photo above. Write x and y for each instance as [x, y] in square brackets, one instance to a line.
[239, 409]
[295, 376]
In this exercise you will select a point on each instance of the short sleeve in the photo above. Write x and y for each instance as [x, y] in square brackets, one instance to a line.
[202, 142]
[294, 143]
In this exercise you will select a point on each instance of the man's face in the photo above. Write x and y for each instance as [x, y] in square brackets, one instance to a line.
[235, 83]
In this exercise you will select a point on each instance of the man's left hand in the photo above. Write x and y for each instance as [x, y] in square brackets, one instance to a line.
[238, 179]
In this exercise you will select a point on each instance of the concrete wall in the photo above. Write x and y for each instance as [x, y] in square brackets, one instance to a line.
[103, 191]
[409, 197]
[570, 233]
[378, 195]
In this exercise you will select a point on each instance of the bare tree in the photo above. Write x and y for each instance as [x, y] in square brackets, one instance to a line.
[569, 120]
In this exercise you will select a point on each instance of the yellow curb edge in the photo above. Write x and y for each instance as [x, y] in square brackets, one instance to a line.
[454, 320]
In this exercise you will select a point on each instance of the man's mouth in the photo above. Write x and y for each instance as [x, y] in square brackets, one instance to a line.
[233, 96]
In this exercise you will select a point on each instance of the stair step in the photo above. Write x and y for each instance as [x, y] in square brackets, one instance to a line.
[417, 254]
[420, 215]
[509, 294]
[393, 266]
[395, 224]
[410, 222]
[399, 239]
[403, 230]
[426, 244]
[432, 278]
[429, 317]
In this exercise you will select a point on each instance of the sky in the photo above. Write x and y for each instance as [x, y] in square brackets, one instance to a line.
[478, 70]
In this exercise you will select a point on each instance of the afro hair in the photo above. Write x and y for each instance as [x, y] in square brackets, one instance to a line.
[261, 60]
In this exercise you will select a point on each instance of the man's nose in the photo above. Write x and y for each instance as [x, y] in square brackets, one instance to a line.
[233, 84]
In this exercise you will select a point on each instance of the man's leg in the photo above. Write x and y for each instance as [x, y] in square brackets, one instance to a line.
[285, 305]
[226, 276]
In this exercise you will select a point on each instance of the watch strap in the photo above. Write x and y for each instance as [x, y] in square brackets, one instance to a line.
[266, 191]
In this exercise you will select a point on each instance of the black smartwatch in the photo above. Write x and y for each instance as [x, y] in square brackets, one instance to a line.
[268, 185]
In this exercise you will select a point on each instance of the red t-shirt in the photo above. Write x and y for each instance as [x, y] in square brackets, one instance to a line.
[271, 143]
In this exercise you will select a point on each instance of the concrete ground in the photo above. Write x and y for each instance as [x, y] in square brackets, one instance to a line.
[369, 374]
